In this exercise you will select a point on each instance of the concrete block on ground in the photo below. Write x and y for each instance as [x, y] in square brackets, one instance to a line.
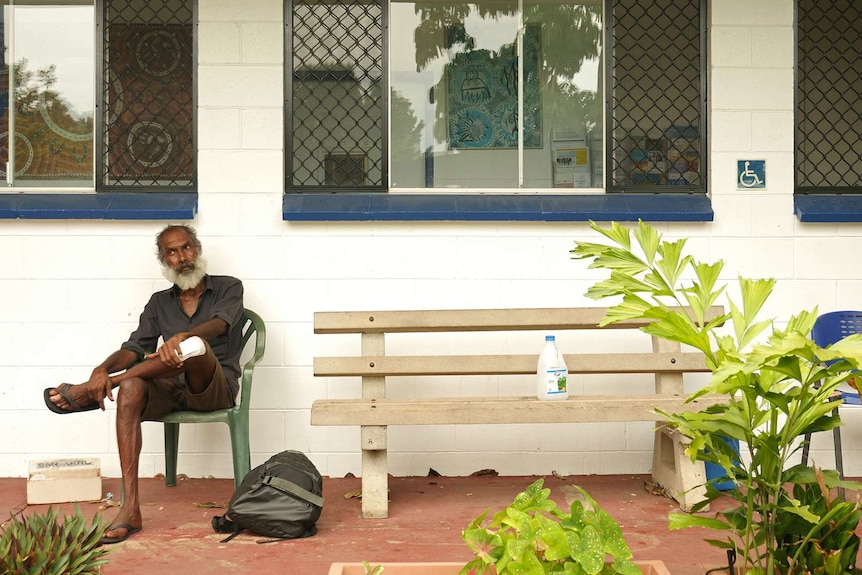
[673, 470]
[64, 480]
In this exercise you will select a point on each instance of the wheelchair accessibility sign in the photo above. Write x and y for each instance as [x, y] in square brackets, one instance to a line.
[750, 174]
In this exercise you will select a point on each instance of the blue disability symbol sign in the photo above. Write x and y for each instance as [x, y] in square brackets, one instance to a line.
[750, 174]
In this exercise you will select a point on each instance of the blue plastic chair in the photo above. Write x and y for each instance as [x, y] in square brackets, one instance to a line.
[828, 329]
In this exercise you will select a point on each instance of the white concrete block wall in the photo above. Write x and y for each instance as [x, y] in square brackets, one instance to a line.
[73, 289]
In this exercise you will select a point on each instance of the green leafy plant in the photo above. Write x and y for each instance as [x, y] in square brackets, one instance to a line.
[777, 387]
[823, 547]
[532, 536]
[370, 569]
[42, 544]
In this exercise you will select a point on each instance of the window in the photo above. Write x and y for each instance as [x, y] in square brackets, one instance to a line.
[454, 106]
[50, 91]
[147, 130]
[336, 83]
[658, 96]
[828, 151]
[46, 94]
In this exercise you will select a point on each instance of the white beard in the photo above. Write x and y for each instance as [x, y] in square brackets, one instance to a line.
[188, 279]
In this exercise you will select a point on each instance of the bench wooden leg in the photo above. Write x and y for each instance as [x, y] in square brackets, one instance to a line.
[375, 473]
[680, 477]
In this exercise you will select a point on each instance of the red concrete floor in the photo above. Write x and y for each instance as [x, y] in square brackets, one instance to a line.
[426, 516]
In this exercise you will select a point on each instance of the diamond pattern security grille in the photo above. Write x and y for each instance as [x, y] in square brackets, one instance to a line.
[656, 132]
[146, 99]
[829, 96]
[336, 87]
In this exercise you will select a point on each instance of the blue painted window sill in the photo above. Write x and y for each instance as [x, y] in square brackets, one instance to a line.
[828, 208]
[649, 207]
[100, 206]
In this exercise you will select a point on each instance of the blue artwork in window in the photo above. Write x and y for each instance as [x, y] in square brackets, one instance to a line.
[483, 97]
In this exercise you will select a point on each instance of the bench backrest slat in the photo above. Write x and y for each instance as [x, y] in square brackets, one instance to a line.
[472, 320]
[677, 362]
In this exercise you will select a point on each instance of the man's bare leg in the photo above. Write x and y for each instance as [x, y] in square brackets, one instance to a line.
[198, 371]
[131, 400]
[130, 404]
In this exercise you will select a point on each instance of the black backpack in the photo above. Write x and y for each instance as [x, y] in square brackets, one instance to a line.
[280, 498]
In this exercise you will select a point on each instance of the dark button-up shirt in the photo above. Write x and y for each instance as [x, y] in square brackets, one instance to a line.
[163, 316]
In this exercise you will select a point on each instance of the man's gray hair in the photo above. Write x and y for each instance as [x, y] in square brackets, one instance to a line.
[173, 227]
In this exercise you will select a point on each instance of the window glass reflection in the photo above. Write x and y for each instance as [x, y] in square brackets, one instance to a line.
[456, 82]
[49, 67]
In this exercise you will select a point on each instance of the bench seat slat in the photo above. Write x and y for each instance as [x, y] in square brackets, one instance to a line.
[472, 320]
[670, 362]
[488, 410]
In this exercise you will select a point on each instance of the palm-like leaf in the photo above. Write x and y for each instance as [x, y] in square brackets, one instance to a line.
[776, 387]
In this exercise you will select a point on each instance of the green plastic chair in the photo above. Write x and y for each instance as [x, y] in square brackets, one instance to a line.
[235, 417]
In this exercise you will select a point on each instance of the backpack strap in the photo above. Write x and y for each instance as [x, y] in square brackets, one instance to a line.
[231, 536]
[293, 489]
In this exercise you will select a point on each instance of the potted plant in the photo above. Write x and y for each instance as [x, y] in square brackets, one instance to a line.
[42, 544]
[777, 387]
[533, 536]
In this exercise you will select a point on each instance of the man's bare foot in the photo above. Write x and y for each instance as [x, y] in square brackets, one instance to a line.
[68, 398]
[119, 531]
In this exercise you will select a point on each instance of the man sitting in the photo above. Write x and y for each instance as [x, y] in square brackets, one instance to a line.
[154, 380]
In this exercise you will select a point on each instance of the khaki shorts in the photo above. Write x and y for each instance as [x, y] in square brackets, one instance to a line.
[172, 394]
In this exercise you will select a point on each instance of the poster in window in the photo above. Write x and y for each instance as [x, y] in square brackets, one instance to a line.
[570, 156]
[482, 97]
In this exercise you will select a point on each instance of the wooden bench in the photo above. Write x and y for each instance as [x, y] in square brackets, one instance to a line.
[374, 411]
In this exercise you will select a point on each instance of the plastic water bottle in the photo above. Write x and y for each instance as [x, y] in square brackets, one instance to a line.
[552, 373]
[192, 347]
